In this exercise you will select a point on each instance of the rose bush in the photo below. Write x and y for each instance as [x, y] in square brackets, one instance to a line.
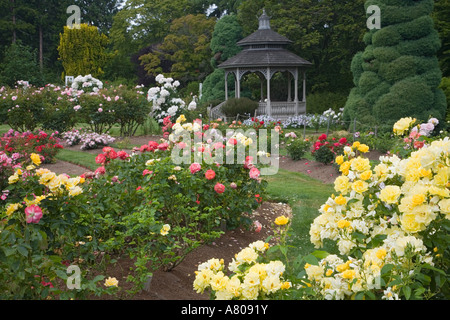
[38, 240]
[22, 145]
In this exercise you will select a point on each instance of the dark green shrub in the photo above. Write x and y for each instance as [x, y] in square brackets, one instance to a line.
[241, 106]
[398, 73]
[297, 147]
[321, 101]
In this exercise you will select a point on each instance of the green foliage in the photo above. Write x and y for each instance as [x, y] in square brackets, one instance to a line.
[319, 102]
[297, 148]
[327, 33]
[20, 63]
[445, 86]
[398, 73]
[241, 106]
[186, 47]
[83, 51]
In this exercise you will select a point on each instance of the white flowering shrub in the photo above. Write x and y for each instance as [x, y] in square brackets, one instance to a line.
[165, 99]
[86, 83]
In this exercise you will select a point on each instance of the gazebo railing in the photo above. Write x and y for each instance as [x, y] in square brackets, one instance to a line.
[281, 108]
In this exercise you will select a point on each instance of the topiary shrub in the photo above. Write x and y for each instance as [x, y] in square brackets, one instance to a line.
[398, 73]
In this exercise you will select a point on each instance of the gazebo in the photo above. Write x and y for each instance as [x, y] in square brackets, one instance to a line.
[264, 53]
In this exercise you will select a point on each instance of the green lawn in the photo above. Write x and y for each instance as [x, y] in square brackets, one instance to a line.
[305, 195]
[81, 158]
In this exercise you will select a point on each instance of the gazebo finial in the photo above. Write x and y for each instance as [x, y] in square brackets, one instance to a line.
[264, 21]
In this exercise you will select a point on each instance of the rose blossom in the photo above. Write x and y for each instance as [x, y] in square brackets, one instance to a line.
[219, 188]
[195, 167]
[210, 174]
[254, 173]
[33, 213]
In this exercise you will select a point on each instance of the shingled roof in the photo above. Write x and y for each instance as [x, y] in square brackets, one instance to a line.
[264, 48]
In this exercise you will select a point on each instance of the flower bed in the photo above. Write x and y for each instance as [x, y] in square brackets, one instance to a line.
[389, 223]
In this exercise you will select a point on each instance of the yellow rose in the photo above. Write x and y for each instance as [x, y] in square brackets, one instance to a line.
[390, 194]
[339, 160]
[403, 125]
[219, 281]
[360, 164]
[12, 208]
[13, 179]
[356, 144]
[441, 178]
[340, 200]
[74, 191]
[181, 118]
[381, 253]
[348, 274]
[418, 199]
[363, 148]
[341, 184]
[111, 282]
[165, 229]
[366, 175]
[345, 167]
[360, 186]
[343, 224]
[36, 159]
[342, 267]
[281, 220]
[410, 224]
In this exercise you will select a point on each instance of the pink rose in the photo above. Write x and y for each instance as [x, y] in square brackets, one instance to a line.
[152, 145]
[195, 167]
[258, 226]
[254, 173]
[146, 172]
[122, 155]
[233, 185]
[100, 170]
[219, 188]
[33, 214]
[163, 146]
[100, 159]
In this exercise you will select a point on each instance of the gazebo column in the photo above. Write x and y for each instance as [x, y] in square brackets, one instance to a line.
[289, 86]
[226, 85]
[268, 104]
[296, 91]
[304, 86]
[238, 88]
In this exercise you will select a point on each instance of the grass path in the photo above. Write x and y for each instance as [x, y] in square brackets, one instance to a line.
[305, 195]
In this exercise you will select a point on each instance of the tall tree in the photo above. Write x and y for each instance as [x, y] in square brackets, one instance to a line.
[326, 32]
[82, 51]
[397, 75]
[98, 13]
[187, 46]
[227, 32]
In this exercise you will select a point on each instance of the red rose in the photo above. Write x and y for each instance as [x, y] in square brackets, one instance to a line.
[210, 174]
[323, 137]
[343, 140]
[219, 188]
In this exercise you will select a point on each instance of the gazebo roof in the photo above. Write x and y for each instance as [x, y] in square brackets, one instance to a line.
[265, 58]
[264, 48]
